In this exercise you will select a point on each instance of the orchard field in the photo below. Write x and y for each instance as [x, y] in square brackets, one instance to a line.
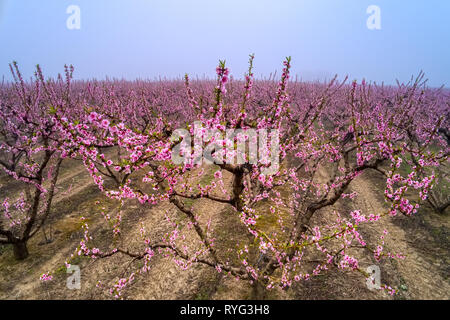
[143, 187]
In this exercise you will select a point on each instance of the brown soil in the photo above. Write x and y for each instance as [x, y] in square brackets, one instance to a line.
[422, 238]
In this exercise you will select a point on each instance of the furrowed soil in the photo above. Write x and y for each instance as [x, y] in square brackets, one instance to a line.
[423, 239]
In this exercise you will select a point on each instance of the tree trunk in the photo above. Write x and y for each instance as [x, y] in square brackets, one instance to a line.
[238, 187]
[20, 250]
[259, 291]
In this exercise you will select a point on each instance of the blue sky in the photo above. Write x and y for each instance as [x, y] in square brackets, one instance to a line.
[146, 39]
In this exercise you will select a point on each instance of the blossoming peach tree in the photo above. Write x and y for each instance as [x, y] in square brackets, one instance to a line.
[289, 161]
[30, 149]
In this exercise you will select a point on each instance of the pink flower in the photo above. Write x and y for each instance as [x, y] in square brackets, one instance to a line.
[218, 174]
[105, 124]
[46, 277]
[93, 116]
[113, 129]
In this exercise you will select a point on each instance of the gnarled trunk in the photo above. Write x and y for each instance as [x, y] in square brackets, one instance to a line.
[238, 187]
[20, 250]
[259, 291]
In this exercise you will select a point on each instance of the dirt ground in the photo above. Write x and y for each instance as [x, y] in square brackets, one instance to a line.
[423, 274]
